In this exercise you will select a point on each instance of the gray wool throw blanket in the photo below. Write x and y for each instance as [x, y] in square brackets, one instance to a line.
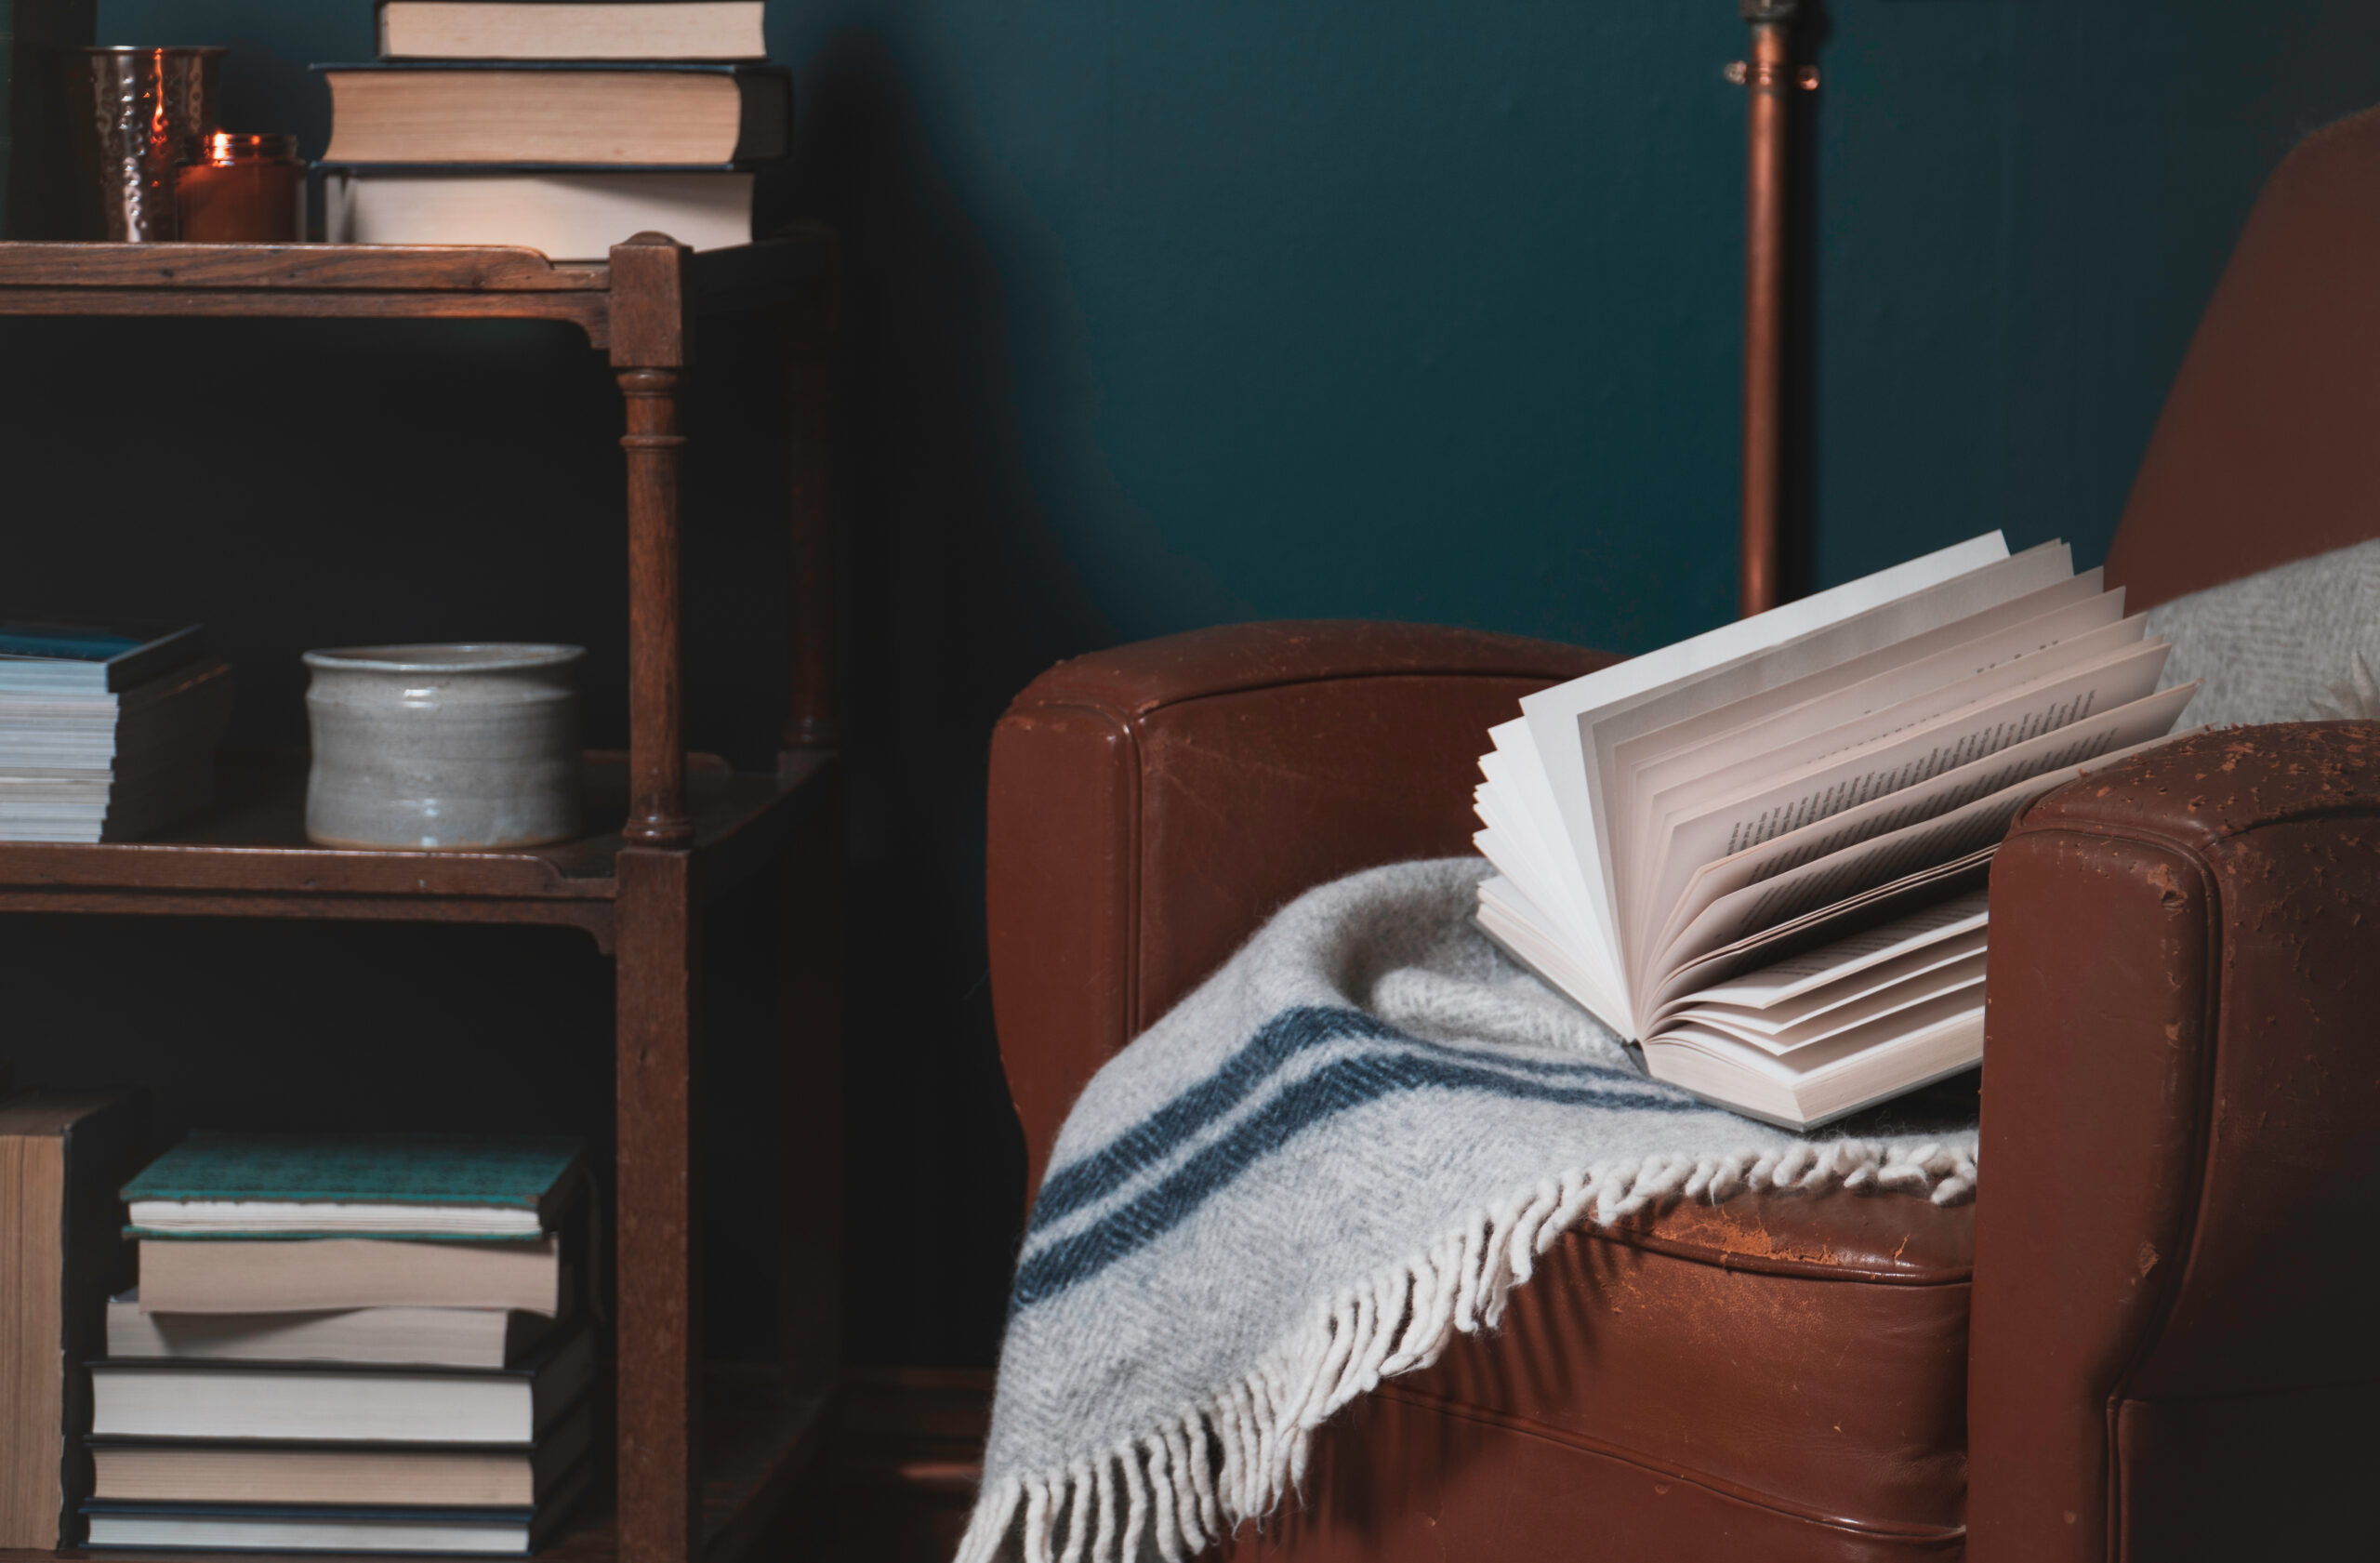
[1347, 1145]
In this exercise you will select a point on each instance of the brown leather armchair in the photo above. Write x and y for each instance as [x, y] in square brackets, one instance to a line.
[2151, 1337]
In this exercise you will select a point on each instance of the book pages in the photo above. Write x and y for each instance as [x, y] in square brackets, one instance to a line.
[1935, 687]
[1762, 851]
[1844, 693]
[1838, 857]
[1694, 831]
[1553, 715]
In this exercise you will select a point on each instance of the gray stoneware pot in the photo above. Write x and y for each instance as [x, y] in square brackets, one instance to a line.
[444, 747]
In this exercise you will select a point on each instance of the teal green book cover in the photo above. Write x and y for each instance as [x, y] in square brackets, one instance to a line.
[533, 1173]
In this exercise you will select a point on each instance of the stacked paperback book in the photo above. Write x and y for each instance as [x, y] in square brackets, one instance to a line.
[345, 1344]
[566, 127]
[106, 734]
[1760, 856]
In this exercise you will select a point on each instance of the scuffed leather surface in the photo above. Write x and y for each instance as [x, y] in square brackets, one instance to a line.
[1404, 1480]
[1134, 680]
[1740, 1377]
[1150, 806]
[2181, 1139]
[2262, 453]
[1787, 1375]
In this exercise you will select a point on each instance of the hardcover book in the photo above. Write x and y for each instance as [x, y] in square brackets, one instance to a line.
[442, 1186]
[201, 1275]
[344, 1405]
[571, 214]
[1759, 854]
[455, 1476]
[412, 1337]
[571, 30]
[558, 112]
[336, 1528]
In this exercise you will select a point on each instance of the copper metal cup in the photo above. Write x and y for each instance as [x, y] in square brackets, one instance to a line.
[134, 110]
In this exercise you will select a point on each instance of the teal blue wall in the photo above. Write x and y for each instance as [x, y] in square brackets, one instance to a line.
[1429, 311]
[1163, 315]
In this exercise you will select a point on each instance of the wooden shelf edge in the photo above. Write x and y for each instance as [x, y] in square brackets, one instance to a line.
[743, 821]
[179, 268]
[382, 280]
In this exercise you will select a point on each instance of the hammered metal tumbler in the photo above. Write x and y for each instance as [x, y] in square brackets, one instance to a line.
[134, 111]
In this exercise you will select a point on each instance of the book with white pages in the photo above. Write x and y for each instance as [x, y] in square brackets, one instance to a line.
[1783, 788]
[189, 1397]
[408, 1337]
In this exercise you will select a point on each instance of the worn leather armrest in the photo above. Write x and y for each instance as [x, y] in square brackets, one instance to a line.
[1150, 804]
[2174, 1277]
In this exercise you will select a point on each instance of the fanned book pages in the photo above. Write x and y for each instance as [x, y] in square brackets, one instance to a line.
[1759, 854]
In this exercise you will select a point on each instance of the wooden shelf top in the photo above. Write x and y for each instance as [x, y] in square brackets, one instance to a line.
[379, 281]
[249, 856]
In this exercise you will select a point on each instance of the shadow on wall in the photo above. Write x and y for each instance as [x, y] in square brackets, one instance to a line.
[956, 593]
[956, 590]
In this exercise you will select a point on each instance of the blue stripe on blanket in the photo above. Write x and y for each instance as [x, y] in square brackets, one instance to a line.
[1336, 1088]
[1277, 1042]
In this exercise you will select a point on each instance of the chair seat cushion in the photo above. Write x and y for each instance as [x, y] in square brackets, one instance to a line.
[1786, 1374]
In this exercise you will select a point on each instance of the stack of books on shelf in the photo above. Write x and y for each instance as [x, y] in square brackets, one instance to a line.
[565, 128]
[106, 734]
[347, 1344]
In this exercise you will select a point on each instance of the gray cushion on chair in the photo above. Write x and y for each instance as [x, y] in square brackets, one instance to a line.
[2298, 643]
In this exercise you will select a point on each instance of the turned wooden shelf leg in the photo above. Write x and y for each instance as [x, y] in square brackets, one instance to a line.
[657, 735]
[660, 1329]
[652, 343]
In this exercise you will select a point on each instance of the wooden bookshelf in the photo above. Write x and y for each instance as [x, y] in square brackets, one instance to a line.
[700, 1469]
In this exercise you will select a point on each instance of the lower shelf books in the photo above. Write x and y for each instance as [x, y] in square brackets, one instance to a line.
[505, 1531]
[411, 1337]
[347, 1343]
[235, 1277]
[203, 1399]
[379, 1475]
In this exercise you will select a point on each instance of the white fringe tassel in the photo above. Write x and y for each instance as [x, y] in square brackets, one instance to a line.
[1191, 1481]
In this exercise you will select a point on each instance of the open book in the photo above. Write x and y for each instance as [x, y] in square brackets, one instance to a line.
[1760, 854]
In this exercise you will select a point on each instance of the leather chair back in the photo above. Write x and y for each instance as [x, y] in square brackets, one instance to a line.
[1152, 804]
[2269, 449]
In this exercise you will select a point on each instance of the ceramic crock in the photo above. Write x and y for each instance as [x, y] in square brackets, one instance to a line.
[443, 746]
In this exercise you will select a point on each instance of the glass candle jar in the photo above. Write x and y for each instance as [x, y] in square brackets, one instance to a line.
[234, 189]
